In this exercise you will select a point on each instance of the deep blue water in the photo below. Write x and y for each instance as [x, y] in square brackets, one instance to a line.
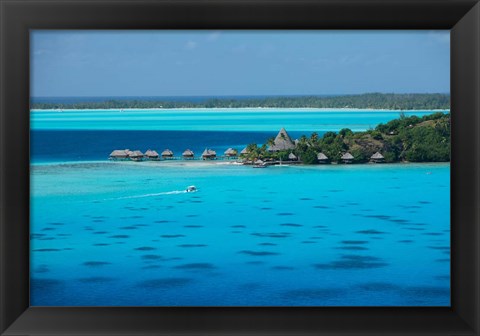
[59, 146]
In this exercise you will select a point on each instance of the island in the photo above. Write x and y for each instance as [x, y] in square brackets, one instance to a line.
[387, 101]
[406, 139]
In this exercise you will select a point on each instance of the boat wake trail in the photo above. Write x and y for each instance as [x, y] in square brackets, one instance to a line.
[174, 192]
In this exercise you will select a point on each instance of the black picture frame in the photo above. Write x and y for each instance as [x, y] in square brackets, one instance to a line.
[17, 17]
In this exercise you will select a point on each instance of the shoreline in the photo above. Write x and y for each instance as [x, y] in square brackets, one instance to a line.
[244, 109]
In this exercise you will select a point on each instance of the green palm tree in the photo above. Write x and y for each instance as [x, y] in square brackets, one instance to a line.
[271, 141]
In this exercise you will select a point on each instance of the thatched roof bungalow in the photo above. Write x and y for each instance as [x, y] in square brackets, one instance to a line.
[151, 154]
[119, 154]
[282, 142]
[244, 151]
[136, 155]
[292, 157]
[209, 154]
[347, 158]
[188, 154]
[377, 158]
[231, 153]
[322, 158]
[167, 154]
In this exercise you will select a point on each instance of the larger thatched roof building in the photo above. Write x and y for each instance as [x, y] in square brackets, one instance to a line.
[282, 142]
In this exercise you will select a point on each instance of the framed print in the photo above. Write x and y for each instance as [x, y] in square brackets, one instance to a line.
[138, 208]
[233, 168]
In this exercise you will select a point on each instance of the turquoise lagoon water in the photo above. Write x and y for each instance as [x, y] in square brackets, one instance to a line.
[252, 120]
[126, 234]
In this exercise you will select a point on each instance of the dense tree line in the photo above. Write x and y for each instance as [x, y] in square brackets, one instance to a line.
[363, 101]
[410, 139]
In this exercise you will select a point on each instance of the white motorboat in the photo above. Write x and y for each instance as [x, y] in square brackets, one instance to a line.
[191, 189]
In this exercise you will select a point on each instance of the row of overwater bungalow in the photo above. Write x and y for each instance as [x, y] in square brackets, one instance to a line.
[167, 154]
[282, 142]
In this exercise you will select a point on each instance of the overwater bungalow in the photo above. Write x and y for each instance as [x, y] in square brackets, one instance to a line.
[209, 154]
[188, 154]
[282, 142]
[135, 155]
[119, 154]
[292, 157]
[377, 158]
[231, 153]
[244, 151]
[152, 155]
[322, 158]
[167, 154]
[347, 158]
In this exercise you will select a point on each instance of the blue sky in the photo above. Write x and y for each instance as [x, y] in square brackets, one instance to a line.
[216, 63]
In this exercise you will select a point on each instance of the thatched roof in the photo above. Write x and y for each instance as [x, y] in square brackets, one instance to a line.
[377, 156]
[244, 151]
[347, 156]
[151, 153]
[230, 151]
[209, 152]
[188, 152]
[292, 156]
[167, 152]
[119, 152]
[135, 153]
[282, 142]
[321, 156]
[259, 162]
